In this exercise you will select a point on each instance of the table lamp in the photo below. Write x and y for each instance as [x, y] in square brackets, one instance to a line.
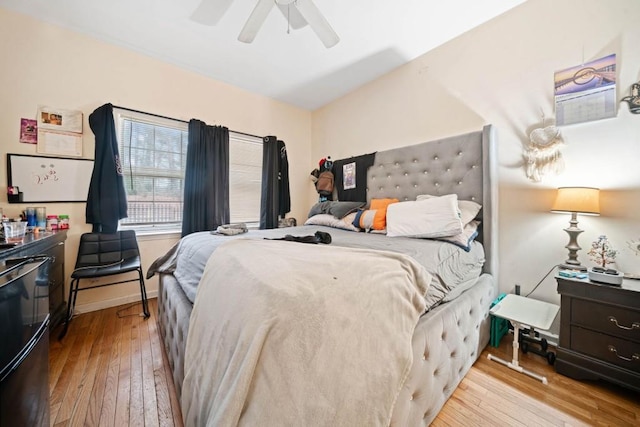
[574, 200]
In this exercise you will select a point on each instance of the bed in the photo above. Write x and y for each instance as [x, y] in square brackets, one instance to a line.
[449, 331]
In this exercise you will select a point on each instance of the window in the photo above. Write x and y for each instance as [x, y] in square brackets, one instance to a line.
[245, 178]
[153, 152]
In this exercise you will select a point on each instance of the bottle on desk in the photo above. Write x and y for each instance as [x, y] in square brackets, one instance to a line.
[52, 222]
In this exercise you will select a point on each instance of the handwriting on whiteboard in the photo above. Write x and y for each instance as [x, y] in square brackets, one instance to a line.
[46, 174]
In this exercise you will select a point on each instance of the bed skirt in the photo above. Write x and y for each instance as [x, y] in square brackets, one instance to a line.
[446, 343]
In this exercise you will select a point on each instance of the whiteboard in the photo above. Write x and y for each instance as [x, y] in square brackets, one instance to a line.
[43, 179]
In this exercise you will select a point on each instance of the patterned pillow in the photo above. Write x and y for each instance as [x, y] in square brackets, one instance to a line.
[364, 219]
[374, 218]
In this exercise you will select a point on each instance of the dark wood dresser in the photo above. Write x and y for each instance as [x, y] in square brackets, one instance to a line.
[50, 244]
[600, 331]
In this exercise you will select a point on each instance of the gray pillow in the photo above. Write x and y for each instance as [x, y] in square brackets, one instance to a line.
[335, 208]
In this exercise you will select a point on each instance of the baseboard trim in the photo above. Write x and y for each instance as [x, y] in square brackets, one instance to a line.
[101, 305]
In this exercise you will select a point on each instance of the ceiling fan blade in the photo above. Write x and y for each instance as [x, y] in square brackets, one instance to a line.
[317, 22]
[255, 21]
[292, 15]
[209, 12]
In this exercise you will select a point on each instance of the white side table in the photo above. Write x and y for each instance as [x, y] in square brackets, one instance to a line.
[521, 311]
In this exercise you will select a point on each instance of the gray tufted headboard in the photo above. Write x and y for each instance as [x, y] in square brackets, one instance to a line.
[464, 165]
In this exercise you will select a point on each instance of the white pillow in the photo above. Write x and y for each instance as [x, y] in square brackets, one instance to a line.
[429, 218]
[329, 220]
[468, 209]
[464, 239]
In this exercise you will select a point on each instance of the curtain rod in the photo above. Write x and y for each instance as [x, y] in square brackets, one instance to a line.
[177, 120]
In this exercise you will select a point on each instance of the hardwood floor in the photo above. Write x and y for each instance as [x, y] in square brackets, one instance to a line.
[112, 371]
[492, 394]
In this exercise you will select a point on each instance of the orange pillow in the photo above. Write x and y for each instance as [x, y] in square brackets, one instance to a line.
[380, 206]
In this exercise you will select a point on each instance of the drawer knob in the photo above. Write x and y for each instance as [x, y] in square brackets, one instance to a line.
[634, 325]
[635, 356]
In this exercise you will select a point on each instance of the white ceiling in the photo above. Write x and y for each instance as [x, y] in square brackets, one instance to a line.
[376, 37]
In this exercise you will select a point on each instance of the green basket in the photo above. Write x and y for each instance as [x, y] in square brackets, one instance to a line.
[499, 326]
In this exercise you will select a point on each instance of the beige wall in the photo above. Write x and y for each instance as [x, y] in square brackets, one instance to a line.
[48, 65]
[502, 74]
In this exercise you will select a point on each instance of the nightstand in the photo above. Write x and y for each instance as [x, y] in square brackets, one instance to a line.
[600, 331]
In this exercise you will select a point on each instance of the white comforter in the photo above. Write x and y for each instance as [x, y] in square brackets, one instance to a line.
[292, 334]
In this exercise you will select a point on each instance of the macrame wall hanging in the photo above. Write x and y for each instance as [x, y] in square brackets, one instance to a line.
[542, 152]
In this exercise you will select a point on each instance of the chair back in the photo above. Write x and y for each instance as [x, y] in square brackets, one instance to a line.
[106, 248]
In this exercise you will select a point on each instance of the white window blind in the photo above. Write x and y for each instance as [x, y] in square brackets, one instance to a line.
[245, 178]
[153, 153]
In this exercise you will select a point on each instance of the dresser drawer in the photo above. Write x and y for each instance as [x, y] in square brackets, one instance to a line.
[57, 263]
[618, 321]
[616, 351]
[56, 252]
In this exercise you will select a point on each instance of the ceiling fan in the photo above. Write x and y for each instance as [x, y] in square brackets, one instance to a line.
[298, 13]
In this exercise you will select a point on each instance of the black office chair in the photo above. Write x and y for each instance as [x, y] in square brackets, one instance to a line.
[101, 255]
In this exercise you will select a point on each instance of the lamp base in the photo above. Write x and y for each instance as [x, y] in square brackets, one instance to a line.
[572, 267]
[573, 231]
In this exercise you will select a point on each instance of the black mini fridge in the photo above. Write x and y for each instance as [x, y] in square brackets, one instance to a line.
[24, 338]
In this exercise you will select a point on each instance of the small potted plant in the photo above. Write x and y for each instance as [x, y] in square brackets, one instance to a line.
[601, 252]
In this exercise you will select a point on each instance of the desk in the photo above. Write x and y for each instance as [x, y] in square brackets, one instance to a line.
[521, 311]
[49, 244]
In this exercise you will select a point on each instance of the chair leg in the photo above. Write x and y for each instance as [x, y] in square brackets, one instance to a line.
[143, 295]
[71, 301]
